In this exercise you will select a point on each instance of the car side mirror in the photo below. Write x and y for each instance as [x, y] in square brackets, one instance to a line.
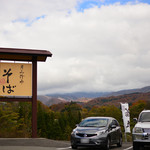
[135, 120]
[77, 125]
[113, 126]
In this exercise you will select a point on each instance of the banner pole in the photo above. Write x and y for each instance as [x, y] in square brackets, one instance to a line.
[125, 135]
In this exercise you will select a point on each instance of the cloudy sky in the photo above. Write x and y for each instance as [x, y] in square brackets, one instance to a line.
[97, 45]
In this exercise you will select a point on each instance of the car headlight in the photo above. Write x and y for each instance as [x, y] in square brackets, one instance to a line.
[74, 131]
[138, 130]
[101, 132]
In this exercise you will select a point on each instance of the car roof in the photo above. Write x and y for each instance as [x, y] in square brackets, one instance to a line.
[100, 117]
[145, 111]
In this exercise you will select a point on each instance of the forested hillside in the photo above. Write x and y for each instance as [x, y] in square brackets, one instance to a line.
[56, 122]
[105, 98]
[115, 100]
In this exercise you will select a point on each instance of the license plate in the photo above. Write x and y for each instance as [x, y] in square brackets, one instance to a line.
[84, 140]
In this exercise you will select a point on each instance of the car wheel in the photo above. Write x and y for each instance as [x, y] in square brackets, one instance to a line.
[120, 142]
[136, 146]
[73, 146]
[107, 147]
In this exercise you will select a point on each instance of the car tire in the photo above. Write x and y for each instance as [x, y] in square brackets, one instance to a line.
[136, 146]
[73, 146]
[107, 146]
[120, 142]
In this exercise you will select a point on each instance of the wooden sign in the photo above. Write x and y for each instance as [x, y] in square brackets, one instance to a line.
[15, 79]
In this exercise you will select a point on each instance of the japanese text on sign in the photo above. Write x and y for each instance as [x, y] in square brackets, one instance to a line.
[15, 79]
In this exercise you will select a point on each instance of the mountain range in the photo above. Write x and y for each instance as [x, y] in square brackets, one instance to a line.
[86, 97]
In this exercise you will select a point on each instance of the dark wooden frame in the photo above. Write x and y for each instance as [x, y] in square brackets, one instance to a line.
[30, 55]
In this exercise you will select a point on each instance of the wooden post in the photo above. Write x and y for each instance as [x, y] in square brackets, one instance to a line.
[34, 97]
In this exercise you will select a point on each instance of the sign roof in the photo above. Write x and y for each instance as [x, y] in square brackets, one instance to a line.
[23, 54]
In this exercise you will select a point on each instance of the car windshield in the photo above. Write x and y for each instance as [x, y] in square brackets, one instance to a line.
[94, 122]
[145, 117]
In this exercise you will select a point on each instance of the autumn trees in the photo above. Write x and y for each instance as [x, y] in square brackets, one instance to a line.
[15, 118]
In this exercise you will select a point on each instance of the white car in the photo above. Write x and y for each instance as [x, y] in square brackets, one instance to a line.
[141, 131]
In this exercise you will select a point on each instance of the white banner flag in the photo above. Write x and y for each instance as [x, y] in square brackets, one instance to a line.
[126, 116]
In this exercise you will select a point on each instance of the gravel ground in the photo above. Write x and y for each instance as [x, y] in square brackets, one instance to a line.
[42, 142]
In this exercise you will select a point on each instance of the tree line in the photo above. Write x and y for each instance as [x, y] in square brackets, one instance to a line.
[15, 118]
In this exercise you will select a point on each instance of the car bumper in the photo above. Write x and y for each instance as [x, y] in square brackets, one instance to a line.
[141, 137]
[88, 142]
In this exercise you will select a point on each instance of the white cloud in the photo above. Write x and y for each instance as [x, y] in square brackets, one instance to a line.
[102, 49]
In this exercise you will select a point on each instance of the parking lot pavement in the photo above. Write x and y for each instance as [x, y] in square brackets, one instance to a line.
[44, 144]
[26, 148]
[32, 144]
[36, 142]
